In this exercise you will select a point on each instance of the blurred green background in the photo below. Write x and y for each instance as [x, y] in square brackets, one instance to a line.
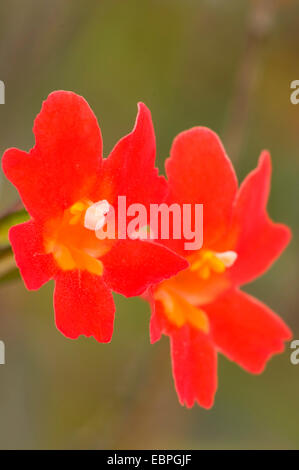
[225, 64]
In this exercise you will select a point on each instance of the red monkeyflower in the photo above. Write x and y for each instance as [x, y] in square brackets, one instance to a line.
[62, 177]
[201, 308]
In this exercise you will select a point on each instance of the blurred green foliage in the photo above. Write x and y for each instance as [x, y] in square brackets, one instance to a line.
[182, 58]
[7, 221]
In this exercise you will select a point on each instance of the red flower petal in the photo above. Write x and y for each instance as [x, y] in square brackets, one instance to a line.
[245, 330]
[258, 240]
[194, 358]
[200, 172]
[158, 322]
[131, 266]
[66, 160]
[130, 168]
[194, 364]
[83, 306]
[35, 266]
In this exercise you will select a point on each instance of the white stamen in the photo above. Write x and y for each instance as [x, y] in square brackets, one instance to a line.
[95, 216]
[227, 257]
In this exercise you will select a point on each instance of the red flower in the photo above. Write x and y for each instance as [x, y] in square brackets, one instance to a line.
[58, 180]
[201, 308]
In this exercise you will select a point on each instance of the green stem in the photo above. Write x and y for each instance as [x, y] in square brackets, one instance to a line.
[15, 215]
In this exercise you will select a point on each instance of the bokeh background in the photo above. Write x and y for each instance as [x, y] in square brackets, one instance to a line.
[225, 64]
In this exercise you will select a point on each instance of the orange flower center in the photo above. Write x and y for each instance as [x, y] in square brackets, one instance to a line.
[72, 238]
[207, 262]
[182, 295]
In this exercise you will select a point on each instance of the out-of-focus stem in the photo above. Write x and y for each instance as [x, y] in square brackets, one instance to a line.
[14, 215]
[16, 207]
[260, 24]
[7, 262]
